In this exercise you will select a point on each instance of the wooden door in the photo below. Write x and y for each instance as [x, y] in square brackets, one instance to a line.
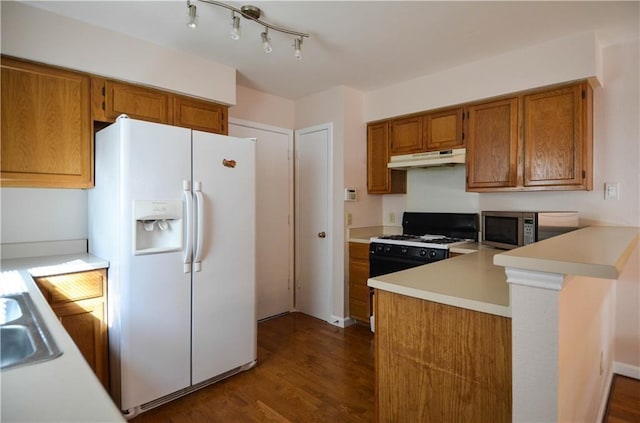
[406, 135]
[443, 130]
[553, 137]
[200, 115]
[380, 179]
[46, 127]
[492, 145]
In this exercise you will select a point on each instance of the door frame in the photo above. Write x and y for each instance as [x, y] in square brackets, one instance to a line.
[331, 236]
[291, 211]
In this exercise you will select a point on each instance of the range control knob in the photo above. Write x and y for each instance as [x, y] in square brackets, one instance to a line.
[379, 248]
[423, 253]
[387, 249]
[404, 250]
[432, 253]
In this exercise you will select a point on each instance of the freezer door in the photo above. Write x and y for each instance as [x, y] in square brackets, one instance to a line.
[224, 316]
[154, 294]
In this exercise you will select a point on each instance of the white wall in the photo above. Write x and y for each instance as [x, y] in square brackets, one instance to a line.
[32, 33]
[256, 106]
[30, 215]
[565, 59]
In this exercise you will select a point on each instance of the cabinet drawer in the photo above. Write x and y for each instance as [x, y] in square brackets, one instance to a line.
[72, 286]
[359, 250]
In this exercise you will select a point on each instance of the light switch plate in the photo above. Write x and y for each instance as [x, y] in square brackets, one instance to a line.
[611, 191]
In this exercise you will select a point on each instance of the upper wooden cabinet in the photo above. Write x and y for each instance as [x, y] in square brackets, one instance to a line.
[492, 144]
[381, 179]
[198, 114]
[553, 151]
[406, 135]
[443, 130]
[110, 99]
[558, 138]
[47, 139]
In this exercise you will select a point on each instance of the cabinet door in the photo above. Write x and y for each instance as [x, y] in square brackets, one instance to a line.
[555, 150]
[492, 145]
[406, 135]
[46, 127]
[359, 292]
[133, 100]
[200, 115]
[85, 321]
[443, 130]
[380, 179]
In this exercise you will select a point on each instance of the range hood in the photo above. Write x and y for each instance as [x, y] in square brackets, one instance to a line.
[428, 159]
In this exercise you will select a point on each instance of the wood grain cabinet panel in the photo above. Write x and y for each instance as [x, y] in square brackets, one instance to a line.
[200, 115]
[46, 126]
[381, 179]
[359, 293]
[443, 130]
[557, 141]
[111, 99]
[80, 303]
[406, 135]
[439, 363]
[492, 144]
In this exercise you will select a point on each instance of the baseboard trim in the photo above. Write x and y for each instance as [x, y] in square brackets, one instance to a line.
[605, 398]
[626, 370]
[342, 322]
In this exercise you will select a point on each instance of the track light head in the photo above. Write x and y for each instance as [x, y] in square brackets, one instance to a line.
[297, 46]
[235, 27]
[266, 42]
[193, 16]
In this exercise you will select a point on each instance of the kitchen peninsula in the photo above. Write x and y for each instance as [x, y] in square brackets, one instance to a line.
[448, 333]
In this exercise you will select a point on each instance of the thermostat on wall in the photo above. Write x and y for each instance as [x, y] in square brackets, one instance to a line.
[350, 194]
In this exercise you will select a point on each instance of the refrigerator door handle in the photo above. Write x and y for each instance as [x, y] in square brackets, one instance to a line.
[197, 256]
[188, 245]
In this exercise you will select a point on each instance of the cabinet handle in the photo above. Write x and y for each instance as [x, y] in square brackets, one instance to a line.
[322, 235]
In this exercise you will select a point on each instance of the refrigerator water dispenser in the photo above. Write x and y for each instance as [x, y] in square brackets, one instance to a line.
[157, 227]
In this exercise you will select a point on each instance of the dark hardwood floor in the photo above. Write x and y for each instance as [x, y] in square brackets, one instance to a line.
[311, 371]
[624, 401]
[308, 371]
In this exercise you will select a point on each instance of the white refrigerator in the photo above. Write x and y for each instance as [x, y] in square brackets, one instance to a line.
[173, 211]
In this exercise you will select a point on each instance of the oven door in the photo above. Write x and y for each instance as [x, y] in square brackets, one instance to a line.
[382, 265]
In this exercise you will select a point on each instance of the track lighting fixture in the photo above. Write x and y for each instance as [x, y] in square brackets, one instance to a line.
[251, 13]
[297, 48]
[266, 42]
[235, 27]
[193, 15]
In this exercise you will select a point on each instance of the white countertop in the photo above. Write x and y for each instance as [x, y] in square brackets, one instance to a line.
[64, 389]
[468, 281]
[594, 251]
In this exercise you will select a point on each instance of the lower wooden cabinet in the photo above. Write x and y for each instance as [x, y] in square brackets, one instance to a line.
[439, 363]
[359, 292]
[79, 302]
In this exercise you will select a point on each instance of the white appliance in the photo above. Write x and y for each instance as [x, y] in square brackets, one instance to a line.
[173, 211]
[455, 156]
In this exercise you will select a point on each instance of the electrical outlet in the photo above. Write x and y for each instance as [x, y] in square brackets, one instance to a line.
[392, 217]
[611, 191]
[349, 219]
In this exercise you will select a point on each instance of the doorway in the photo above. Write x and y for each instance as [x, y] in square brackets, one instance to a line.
[274, 215]
[313, 235]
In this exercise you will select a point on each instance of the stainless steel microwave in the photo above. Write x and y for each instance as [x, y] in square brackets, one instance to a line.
[513, 229]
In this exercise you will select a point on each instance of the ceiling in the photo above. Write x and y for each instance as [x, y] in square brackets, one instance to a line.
[362, 44]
